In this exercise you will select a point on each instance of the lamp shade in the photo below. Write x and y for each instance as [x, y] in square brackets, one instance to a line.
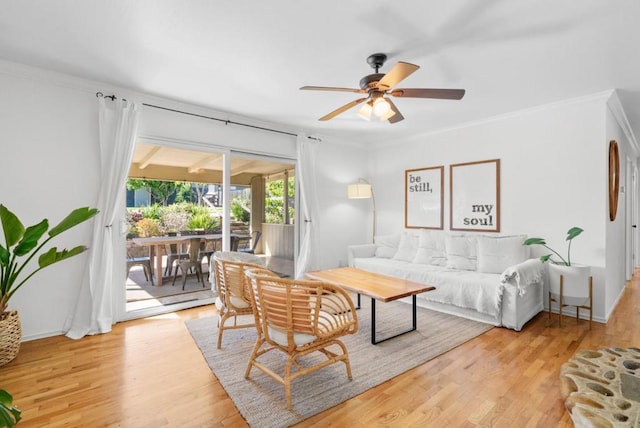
[387, 116]
[359, 191]
[366, 110]
[381, 107]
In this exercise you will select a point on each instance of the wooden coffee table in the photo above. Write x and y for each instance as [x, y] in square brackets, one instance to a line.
[377, 287]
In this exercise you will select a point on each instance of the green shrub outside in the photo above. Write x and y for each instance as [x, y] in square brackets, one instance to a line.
[175, 221]
[148, 227]
[196, 210]
[237, 210]
[153, 211]
[202, 221]
[156, 220]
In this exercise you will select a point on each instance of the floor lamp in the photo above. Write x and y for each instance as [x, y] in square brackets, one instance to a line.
[363, 190]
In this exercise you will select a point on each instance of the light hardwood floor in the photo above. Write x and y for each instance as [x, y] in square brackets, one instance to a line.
[149, 373]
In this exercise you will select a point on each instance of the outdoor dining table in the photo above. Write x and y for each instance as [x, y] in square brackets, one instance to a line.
[155, 244]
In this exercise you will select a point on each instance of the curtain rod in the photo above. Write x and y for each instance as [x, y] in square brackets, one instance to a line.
[226, 121]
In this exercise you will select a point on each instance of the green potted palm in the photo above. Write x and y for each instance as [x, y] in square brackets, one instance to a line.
[20, 247]
[9, 414]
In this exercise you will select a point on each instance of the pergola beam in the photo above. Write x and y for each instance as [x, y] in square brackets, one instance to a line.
[244, 167]
[146, 161]
[173, 173]
[202, 163]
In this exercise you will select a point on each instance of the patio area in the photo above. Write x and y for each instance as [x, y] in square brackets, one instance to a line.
[140, 294]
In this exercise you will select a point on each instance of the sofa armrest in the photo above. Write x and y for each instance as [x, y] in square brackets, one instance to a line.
[523, 275]
[358, 251]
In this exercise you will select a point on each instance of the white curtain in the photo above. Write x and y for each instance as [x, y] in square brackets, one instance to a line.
[94, 311]
[306, 173]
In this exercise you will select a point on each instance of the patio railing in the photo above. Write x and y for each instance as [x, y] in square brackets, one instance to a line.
[278, 240]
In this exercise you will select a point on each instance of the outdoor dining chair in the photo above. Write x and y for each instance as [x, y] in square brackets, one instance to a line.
[208, 248]
[139, 256]
[299, 317]
[193, 262]
[255, 238]
[174, 254]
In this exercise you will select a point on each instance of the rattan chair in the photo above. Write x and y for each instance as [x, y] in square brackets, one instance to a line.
[234, 299]
[297, 318]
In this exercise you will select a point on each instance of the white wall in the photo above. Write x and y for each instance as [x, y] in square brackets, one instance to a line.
[48, 166]
[618, 232]
[553, 177]
[343, 221]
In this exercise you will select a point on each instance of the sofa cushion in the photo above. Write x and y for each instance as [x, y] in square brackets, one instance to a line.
[430, 248]
[407, 248]
[280, 337]
[387, 245]
[461, 252]
[473, 290]
[497, 253]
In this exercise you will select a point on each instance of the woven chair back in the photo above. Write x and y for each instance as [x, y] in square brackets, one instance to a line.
[297, 306]
[286, 308]
[230, 278]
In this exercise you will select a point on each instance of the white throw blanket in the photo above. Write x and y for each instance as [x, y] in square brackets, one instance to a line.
[523, 274]
[478, 291]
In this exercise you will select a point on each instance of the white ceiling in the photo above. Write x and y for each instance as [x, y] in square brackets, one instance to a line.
[250, 57]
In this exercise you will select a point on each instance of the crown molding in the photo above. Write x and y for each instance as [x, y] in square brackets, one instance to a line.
[598, 96]
[615, 107]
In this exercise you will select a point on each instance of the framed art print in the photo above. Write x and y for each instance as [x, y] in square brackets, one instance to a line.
[424, 198]
[475, 196]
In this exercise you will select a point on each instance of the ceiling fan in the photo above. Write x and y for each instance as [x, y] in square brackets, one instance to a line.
[380, 86]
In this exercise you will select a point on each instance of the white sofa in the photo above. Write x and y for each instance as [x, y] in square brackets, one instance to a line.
[486, 278]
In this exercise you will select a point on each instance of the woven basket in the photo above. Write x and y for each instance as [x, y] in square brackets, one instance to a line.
[10, 336]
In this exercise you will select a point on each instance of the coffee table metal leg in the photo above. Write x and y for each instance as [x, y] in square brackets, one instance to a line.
[373, 321]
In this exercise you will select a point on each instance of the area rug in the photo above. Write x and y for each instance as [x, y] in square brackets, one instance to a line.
[261, 400]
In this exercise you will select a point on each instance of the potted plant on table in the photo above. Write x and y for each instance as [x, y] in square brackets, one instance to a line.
[573, 274]
[572, 233]
[21, 242]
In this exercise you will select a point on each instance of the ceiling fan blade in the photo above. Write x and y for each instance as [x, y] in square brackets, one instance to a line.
[396, 117]
[332, 89]
[445, 94]
[398, 73]
[342, 109]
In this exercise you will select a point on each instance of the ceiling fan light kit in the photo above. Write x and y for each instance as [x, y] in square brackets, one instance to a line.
[379, 86]
[366, 110]
[381, 107]
[388, 115]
